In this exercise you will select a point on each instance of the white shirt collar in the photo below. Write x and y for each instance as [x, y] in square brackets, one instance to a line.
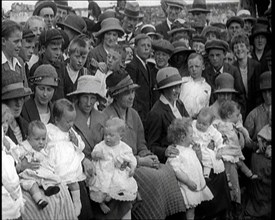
[174, 108]
[169, 23]
[142, 61]
[221, 70]
[14, 61]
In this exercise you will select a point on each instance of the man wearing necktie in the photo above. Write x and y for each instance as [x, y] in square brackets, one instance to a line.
[140, 74]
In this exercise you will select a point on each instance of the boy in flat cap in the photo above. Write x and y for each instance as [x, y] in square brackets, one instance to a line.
[50, 43]
[216, 50]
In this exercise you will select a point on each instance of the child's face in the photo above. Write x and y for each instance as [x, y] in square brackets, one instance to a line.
[129, 53]
[78, 58]
[52, 52]
[66, 121]
[27, 50]
[195, 67]
[113, 60]
[240, 50]
[38, 139]
[235, 116]
[203, 123]
[5, 123]
[111, 136]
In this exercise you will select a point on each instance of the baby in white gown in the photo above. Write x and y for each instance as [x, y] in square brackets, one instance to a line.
[65, 148]
[114, 165]
[187, 166]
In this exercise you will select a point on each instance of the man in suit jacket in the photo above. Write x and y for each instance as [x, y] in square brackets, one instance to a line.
[216, 50]
[174, 7]
[140, 74]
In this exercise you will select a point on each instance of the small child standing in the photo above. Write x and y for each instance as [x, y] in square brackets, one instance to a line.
[210, 140]
[195, 91]
[65, 148]
[33, 149]
[114, 166]
[187, 166]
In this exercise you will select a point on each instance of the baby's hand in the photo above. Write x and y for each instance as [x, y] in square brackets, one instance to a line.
[192, 185]
[73, 137]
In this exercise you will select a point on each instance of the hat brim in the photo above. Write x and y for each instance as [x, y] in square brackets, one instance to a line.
[17, 93]
[175, 5]
[132, 16]
[126, 88]
[182, 50]
[225, 90]
[170, 85]
[62, 25]
[265, 33]
[45, 4]
[101, 32]
[100, 97]
[215, 47]
[199, 10]
[64, 7]
[191, 30]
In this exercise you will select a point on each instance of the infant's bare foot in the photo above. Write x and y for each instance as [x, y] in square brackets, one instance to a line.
[105, 209]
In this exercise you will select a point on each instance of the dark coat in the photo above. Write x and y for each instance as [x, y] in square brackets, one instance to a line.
[254, 97]
[23, 125]
[30, 111]
[142, 77]
[210, 75]
[262, 60]
[99, 54]
[163, 29]
[158, 120]
[60, 69]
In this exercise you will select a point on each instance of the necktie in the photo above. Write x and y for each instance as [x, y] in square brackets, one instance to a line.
[126, 37]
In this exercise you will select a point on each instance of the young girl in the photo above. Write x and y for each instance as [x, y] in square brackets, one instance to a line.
[33, 149]
[114, 166]
[195, 91]
[65, 148]
[187, 166]
[210, 140]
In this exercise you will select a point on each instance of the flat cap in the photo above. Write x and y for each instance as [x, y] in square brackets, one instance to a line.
[141, 36]
[49, 35]
[198, 38]
[27, 33]
[235, 19]
[163, 45]
[216, 44]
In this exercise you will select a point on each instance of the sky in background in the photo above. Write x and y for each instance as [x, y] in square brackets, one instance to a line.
[6, 5]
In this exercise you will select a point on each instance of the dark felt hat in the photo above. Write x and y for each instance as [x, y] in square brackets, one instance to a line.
[110, 24]
[163, 45]
[44, 4]
[218, 25]
[49, 35]
[132, 9]
[63, 4]
[27, 33]
[198, 38]
[118, 82]
[224, 83]
[259, 29]
[180, 47]
[12, 86]
[235, 19]
[199, 6]
[75, 23]
[45, 74]
[109, 13]
[216, 44]
[176, 3]
[265, 80]
[210, 29]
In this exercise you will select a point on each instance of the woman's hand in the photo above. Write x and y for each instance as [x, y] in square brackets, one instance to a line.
[149, 161]
[171, 151]
[192, 185]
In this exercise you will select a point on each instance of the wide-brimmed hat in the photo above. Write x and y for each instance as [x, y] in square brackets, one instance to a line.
[44, 4]
[265, 80]
[88, 84]
[45, 74]
[216, 44]
[119, 82]
[168, 77]
[63, 4]
[110, 24]
[75, 23]
[211, 29]
[235, 19]
[199, 6]
[109, 13]
[176, 3]
[163, 45]
[12, 85]
[259, 29]
[180, 47]
[132, 10]
[150, 30]
[224, 83]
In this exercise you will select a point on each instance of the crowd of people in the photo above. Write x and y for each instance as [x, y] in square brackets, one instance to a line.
[108, 117]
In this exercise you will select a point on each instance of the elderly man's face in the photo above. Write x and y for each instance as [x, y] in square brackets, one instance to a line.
[216, 58]
[129, 24]
[161, 58]
[173, 12]
[234, 29]
[60, 14]
[48, 15]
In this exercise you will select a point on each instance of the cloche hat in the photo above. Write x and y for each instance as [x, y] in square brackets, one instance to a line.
[110, 24]
[45, 74]
[224, 83]
[168, 77]
[132, 9]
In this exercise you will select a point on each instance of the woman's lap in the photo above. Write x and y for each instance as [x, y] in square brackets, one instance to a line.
[160, 193]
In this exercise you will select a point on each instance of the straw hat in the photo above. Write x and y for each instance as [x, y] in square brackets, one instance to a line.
[45, 74]
[118, 82]
[150, 30]
[88, 84]
[44, 4]
[75, 23]
[199, 6]
[132, 10]
[12, 86]
[224, 83]
[265, 80]
[168, 77]
[110, 24]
